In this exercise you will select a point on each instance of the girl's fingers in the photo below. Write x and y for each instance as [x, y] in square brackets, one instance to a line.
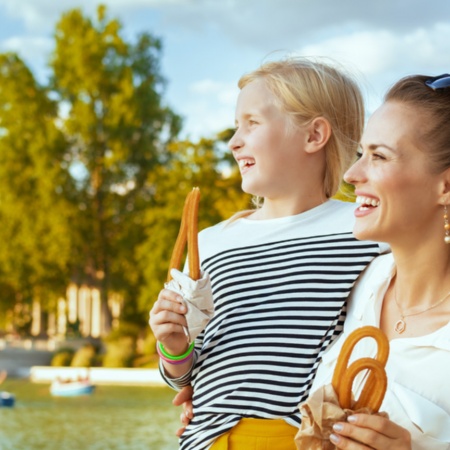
[169, 301]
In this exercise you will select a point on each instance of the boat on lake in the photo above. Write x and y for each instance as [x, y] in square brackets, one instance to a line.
[69, 388]
[7, 399]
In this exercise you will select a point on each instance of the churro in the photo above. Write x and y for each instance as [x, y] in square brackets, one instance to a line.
[375, 386]
[187, 235]
[192, 235]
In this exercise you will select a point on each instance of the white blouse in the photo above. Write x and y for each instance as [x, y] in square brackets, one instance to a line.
[418, 369]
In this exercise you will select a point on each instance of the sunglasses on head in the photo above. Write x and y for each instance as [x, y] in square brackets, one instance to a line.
[439, 82]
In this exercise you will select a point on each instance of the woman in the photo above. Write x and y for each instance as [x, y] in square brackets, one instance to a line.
[280, 274]
[402, 183]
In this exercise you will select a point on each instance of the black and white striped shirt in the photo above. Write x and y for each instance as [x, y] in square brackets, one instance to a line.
[279, 288]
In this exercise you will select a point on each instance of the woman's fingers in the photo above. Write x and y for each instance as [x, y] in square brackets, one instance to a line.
[183, 396]
[364, 431]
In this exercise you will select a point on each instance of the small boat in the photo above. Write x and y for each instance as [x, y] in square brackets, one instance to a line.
[7, 399]
[68, 388]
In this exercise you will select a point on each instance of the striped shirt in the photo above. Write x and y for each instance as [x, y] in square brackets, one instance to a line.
[280, 288]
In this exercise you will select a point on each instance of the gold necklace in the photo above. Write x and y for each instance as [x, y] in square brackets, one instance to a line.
[400, 325]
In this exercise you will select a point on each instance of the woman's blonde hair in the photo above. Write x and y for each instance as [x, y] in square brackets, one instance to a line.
[307, 89]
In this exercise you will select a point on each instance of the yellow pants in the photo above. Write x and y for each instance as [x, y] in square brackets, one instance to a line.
[258, 434]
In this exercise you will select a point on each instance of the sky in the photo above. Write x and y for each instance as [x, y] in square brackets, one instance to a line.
[209, 44]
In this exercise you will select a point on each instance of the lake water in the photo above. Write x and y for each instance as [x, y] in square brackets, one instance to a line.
[112, 418]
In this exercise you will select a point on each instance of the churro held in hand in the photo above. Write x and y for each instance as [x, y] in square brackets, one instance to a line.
[335, 402]
[194, 287]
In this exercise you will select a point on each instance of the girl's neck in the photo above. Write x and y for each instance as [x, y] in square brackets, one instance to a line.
[275, 209]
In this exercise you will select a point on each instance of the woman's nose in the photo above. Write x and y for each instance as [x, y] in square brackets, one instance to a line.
[355, 173]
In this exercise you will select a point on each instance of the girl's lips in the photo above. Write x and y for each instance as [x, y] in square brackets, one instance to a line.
[245, 164]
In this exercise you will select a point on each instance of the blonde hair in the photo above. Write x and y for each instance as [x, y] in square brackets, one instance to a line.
[308, 89]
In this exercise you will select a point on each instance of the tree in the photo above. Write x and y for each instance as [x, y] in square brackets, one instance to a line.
[118, 129]
[34, 213]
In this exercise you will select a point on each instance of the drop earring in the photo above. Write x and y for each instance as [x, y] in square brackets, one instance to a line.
[446, 226]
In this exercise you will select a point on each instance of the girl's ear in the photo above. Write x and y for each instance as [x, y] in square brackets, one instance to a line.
[319, 132]
[444, 188]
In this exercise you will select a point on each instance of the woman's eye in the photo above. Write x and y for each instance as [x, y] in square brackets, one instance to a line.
[377, 156]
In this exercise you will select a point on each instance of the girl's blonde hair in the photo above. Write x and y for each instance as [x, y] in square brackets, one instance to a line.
[308, 89]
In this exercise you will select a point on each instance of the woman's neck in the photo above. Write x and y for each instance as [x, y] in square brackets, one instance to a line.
[423, 274]
[416, 302]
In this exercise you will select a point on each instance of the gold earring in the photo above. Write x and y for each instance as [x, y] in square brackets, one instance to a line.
[446, 226]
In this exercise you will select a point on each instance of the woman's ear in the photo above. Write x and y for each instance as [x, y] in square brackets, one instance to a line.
[319, 132]
[444, 188]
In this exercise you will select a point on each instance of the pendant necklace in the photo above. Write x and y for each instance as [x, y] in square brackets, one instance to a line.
[400, 325]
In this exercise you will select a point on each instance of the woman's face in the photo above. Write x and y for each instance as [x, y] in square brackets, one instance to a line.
[266, 146]
[395, 186]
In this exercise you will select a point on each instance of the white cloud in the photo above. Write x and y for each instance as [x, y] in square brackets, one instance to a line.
[208, 108]
[382, 57]
[214, 42]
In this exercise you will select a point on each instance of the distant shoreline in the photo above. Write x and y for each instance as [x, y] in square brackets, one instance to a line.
[98, 375]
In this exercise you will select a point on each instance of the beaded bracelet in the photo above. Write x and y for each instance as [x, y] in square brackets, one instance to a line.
[175, 359]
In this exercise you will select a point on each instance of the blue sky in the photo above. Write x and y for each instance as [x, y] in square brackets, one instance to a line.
[209, 44]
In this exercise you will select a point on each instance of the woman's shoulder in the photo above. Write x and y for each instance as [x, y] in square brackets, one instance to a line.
[381, 267]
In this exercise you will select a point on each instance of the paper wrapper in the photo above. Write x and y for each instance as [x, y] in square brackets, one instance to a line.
[197, 296]
[319, 413]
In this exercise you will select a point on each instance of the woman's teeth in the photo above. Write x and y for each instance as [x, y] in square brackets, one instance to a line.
[367, 202]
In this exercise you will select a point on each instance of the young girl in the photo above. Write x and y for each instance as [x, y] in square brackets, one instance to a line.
[280, 274]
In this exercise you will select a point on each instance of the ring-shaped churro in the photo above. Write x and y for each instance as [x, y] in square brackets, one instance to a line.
[372, 395]
[188, 234]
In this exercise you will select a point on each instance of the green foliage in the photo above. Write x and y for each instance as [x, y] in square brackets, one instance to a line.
[117, 127]
[62, 357]
[120, 352]
[84, 356]
[93, 178]
[34, 212]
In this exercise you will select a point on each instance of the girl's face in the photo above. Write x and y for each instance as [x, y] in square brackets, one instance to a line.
[266, 145]
[397, 191]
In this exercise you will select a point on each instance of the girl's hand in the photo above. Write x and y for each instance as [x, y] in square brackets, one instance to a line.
[365, 431]
[167, 321]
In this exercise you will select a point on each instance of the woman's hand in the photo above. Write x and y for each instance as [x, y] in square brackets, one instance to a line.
[167, 321]
[365, 431]
[184, 398]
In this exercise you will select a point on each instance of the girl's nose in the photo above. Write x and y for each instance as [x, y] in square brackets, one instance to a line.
[235, 143]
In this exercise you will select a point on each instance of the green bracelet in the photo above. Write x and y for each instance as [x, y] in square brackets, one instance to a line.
[176, 358]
